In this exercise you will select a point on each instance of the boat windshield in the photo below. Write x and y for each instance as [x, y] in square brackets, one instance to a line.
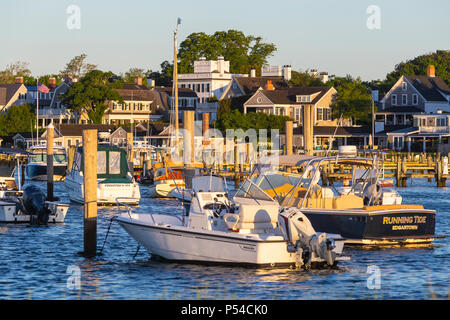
[42, 157]
[250, 191]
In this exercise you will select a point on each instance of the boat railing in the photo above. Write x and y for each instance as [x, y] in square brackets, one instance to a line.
[128, 207]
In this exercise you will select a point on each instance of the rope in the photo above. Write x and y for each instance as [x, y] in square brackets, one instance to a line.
[107, 233]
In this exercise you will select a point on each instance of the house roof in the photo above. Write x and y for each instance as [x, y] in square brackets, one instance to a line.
[429, 87]
[401, 109]
[7, 91]
[288, 96]
[153, 128]
[182, 92]
[134, 92]
[77, 129]
[331, 130]
[251, 84]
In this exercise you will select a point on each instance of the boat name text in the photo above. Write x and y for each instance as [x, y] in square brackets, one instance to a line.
[404, 220]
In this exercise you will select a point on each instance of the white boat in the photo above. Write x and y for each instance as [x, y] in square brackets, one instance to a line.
[251, 230]
[166, 180]
[29, 207]
[37, 163]
[114, 179]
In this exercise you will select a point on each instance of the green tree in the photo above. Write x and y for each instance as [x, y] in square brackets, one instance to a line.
[353, 99]
[91, 95]
[131, 74]
[16, 69]
[252, 120]
[417, 66]
[243, 52]
[17, 119]
[77, 67]
[304, 79]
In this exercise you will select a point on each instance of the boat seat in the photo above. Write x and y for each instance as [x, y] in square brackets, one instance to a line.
[253, 218]
[348, 201]
[280, 191]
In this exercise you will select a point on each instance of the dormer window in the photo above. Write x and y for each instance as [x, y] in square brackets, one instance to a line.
[303, 98]
[404, 86]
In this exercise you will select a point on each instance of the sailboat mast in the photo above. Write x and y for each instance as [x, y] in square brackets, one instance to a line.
[175, 80]
[37, 111]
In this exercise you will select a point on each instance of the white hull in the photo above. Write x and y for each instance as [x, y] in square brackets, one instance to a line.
[164, 189]
[10, 214]
[107, 193]
[178, 243]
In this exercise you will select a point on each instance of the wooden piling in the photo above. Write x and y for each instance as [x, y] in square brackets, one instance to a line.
[188, 142]
[308, 129]
[50, 139]
[90, 191]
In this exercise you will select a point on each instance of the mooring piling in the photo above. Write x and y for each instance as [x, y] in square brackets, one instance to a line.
[90, 192]
[50, 138]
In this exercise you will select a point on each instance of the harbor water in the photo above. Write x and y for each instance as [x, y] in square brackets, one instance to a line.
[42, 262]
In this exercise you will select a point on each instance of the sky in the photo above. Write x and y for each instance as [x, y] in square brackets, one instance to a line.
[328, 35]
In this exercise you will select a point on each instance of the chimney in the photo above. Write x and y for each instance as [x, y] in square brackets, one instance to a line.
[269, 85]
[287, 72]
[431, 71]
[138, 81]
[205, 122]
[52, 83]
[253, 73]
[19, 80]
[220, 64]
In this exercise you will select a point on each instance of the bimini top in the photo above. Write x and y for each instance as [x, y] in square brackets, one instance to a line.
[285, 160]
[111, 162]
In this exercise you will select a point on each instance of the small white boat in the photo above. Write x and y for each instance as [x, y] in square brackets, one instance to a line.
[114, 179]
[37, 163]
[165, 181]
[251, 230]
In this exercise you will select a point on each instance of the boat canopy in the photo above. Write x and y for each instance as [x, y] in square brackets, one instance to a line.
[111, 162]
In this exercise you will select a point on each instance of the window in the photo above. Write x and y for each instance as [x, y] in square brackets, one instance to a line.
[327, 114]
[198, 87]
[297, 114]
[404, 99]
[415, 99]
[404, 86]
[69, 142]
[207, 87]
[303, 99]
[114, 162]
[101, 162]
[203, 87]
[441, 122]
[319, 114]
[394, 99]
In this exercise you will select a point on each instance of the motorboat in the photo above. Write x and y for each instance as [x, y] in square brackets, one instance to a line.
[252, 229]
[28, 205]
[363, 212]
[37, 164]
[114, 178]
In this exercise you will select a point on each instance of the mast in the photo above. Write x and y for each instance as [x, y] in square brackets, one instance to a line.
[37, 111]
[175, 78]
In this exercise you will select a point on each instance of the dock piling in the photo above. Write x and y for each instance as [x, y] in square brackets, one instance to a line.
[90, 192]
[50, 171]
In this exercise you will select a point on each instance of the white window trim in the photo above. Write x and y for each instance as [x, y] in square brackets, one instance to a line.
[404, 86]
[403, 96]
[392, 100]
[416, 96]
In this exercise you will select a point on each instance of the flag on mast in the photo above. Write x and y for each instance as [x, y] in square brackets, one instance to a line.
[178, 21]
[43, 88]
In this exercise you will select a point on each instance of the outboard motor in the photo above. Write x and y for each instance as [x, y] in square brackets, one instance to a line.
[34, 204]
[303, 239]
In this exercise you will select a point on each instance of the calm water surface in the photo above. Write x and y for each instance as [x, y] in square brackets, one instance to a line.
[35, 263]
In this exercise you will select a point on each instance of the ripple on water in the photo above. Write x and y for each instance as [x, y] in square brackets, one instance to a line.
[36, 260]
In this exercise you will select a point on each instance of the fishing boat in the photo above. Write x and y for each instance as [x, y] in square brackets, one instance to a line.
[28, 205]
[114, 178]
[37, 163]
[250, 230]
[363, 212]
